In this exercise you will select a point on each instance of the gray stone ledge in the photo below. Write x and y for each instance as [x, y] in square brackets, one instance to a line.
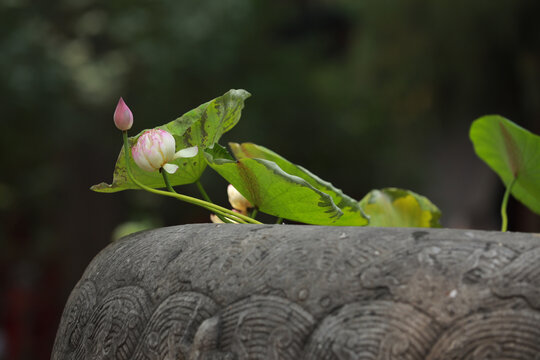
[210, 291]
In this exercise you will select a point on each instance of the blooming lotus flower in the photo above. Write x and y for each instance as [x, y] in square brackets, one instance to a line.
[237, 200]
[156, 148]
[123, 118]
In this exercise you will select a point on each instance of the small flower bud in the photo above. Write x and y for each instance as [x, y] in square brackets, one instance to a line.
[216, 220]
[237, 200]
[156, 148]
[123, 118]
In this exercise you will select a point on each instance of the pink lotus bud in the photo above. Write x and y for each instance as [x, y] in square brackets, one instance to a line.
[156, 148]
[237, 200]
[123, 118]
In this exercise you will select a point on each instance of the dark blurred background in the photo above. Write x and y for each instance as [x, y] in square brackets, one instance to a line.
[366, 94]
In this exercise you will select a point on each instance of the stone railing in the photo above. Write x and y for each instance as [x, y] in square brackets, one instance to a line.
[307, 292]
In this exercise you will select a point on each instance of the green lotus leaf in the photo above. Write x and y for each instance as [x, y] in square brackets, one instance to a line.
[393, 207]
[202, 126]
[275, 192]
[513, 153]
[352, 213]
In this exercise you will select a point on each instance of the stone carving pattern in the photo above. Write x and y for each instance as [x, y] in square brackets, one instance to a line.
[307, 293]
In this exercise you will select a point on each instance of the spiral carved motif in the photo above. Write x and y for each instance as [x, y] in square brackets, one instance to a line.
[502, 334]
[305, 292]
[373, 330]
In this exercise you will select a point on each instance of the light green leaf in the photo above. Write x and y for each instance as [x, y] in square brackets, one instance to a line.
[352, 213]
[219, 152]
[205, 125]
[392, 207]
[513, 153]
[202, 126]
[275, 192]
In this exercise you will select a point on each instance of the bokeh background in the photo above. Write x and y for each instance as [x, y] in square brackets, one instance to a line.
[366, 94]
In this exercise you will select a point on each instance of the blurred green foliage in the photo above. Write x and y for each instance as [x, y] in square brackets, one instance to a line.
[379, 84]
[388, 86]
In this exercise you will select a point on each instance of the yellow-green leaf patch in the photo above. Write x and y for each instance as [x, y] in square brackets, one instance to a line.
[393, 207]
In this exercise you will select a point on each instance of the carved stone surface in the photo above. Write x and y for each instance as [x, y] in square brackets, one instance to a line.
[307, 292]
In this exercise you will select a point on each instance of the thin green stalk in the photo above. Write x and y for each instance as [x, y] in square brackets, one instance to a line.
[207, 198]
[209, 206]
[254, 213]
[166, 179]
[279, 220]
[203, 192]
[224, 217]
[505, 204]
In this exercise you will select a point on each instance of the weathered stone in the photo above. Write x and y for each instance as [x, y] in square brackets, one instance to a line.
[307, 292]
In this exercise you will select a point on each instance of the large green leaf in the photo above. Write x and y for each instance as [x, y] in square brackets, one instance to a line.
[392, 207]
[202, 126]
[513, 153]
[275, 192]
[219, 152]
[352, 213]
